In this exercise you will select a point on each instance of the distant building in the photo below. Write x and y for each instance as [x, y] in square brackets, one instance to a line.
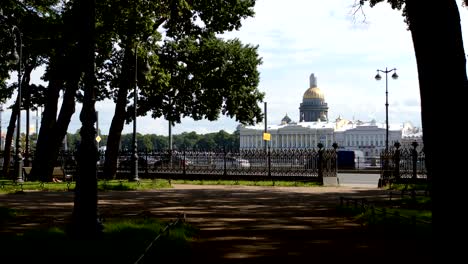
[313, 107]
[314, 127]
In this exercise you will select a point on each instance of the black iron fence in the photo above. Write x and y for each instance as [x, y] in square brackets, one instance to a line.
[403, 164]
[308, 164]
[294, 164]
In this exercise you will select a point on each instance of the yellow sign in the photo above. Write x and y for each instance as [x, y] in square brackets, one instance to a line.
[267, 136]
[98, 138]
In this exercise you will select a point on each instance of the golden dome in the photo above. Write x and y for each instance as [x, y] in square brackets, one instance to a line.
[313, 93]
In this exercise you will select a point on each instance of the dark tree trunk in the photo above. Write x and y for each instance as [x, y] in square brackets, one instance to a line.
[85, 223]
[118, 121]
[54, 129]
[441, 62]
[43, 164]
[12, 124]
[9, 139]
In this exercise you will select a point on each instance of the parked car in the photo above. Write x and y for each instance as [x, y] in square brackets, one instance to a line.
[175, 161]
[232, 163]
[127, 163]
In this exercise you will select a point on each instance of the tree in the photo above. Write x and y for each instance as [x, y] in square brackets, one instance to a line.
[16, 14]
[193, 73]
[441, 61]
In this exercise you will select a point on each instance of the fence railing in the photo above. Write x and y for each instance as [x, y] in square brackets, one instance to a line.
[307, 164]
[403, 164]
[394, 164]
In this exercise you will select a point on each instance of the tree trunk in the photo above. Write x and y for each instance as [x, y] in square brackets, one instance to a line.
[85, 222]
[12, 124]
[441, 62]
[9, 139]
[43, 164]
[118, 120]
[53, 129]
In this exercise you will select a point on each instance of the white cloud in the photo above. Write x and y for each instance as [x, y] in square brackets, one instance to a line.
[300, 37]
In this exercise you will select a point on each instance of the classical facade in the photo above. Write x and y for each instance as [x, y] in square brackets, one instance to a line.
[314, 127]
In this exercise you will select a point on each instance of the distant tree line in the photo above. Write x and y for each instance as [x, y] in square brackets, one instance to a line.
[152, 142]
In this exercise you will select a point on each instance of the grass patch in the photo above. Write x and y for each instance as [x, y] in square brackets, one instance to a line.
[103, 185]
[402, 216]
[122, 241]
[125, 185]
[249, 183]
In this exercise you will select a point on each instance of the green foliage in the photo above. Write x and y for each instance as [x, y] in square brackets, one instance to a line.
[109, 185]
[209, 76]
[125, 185]
[185, 140]
[397, 215]
[123, 241]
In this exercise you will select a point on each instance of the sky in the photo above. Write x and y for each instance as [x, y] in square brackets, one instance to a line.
[302, 37]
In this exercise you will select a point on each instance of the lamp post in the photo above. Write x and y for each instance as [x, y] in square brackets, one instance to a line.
[1, 142]
[378, 78]
[18, 53]
[134, 172]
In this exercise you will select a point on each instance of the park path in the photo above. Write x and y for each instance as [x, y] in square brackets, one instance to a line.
[247, 224]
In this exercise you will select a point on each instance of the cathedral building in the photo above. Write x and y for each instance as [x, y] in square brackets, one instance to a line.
[313, 107]
[314, 127]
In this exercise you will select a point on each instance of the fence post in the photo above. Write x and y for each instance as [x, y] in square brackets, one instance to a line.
[320, 162]
[225, 168]
[146, 163]
[269, 162]
[396, 158]
[335, 159]
[183, 163]
[414, 155]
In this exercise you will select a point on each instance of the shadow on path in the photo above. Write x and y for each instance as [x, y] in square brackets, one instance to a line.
[246, 224]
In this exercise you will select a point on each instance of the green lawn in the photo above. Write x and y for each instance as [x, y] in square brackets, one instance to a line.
[10, 187]
[122, 241]
[250, 183]
[7, 186]
[401, 214]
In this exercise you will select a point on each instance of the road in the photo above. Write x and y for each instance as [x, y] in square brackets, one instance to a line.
[358, 180]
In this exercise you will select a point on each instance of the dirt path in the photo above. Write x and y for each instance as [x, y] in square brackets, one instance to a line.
[240, 224]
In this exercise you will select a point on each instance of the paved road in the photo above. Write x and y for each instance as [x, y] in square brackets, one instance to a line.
[358, 180]
[248, 224]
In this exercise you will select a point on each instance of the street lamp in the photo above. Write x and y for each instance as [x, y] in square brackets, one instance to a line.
[1, 142]
[134, 172]
[378, 78]
[17, 57]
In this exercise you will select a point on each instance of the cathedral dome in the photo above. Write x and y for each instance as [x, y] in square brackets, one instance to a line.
[313, 93]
